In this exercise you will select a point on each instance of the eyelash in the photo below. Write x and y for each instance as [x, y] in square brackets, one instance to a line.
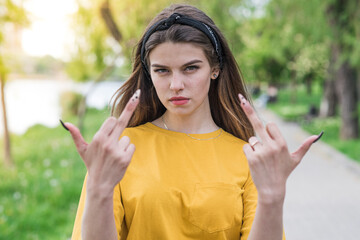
[160, 70]
[192, 67]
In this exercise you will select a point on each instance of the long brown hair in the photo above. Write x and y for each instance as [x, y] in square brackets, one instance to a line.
[223, 92]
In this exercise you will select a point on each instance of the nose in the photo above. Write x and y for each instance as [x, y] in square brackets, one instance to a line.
[176, 82]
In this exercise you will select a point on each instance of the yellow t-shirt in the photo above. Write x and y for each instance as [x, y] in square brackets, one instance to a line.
[178, 187]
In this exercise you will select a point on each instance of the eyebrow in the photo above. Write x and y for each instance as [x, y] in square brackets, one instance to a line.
[186, 64]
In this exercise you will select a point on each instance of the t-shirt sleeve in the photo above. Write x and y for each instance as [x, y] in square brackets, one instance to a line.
[118, 214]
[250, 202]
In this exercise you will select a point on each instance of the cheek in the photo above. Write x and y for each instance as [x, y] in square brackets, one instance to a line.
[159, 83]
[160, 88]
[202, 86]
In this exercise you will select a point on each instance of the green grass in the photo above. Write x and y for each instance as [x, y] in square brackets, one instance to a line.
[39, 196]
[296, 111]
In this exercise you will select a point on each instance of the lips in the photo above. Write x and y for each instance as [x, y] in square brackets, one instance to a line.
[179, 100]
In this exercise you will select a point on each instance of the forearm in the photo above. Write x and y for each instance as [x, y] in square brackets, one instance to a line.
[98, 219]
[268, 221]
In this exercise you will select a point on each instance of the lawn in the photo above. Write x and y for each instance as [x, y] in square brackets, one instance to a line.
[297, 111]
[39, 197]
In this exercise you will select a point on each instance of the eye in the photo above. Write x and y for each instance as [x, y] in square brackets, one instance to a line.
[191, 68]
[160, 70]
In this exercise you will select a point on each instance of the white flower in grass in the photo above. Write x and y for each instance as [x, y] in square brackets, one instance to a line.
[54, 182]
[64, 163]
[17, 195]
[48, 173]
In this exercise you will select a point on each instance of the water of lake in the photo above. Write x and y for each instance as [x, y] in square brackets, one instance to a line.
[30, 102]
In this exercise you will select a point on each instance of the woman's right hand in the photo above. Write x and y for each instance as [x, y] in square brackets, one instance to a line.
[106, 158]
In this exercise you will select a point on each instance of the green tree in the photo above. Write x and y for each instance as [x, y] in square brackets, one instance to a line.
[13, 14]
[344, 20]
[303, 41]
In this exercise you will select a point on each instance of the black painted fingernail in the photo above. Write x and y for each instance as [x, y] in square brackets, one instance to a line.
[319, 136]
[242, 99]
[64, 125]
[136, 95]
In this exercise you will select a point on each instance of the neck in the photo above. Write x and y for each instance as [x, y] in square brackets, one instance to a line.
[192, 124]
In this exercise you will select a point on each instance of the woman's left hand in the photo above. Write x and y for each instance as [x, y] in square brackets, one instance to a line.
[269, 159]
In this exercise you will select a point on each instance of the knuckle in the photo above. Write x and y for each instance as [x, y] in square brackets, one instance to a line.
[257, 124]
[251, 162]
[283, 146]
[121, 122]
[257, 157]
[133, 148]
[273, 150]
[110, 121]
[125, 139]
[254, 162]
[253, 138]
[97, 139]
[107, 148]
[124, 163]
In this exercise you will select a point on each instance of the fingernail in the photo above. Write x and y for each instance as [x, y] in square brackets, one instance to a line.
[136, 95]
[319, 136]
[63, 125]
[242, 99]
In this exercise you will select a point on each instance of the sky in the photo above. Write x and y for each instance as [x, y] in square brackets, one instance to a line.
[49, 32]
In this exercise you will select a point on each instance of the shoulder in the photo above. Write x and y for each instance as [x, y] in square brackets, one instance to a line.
[231, 139]
[140, 130]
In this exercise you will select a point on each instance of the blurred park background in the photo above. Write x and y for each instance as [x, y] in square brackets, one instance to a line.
[65, 59]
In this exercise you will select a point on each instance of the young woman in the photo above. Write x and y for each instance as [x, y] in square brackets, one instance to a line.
[189, 177]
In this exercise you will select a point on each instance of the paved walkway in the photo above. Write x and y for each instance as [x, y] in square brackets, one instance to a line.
[323, 193]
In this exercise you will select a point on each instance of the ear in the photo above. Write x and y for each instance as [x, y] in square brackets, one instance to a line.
[215, 73]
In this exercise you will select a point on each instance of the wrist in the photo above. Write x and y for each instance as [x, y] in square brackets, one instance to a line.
[97, 191]
[272, 197]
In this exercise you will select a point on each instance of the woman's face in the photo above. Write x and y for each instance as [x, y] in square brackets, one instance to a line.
[181, 75]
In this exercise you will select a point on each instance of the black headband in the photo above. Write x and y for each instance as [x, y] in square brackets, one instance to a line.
[176, 18]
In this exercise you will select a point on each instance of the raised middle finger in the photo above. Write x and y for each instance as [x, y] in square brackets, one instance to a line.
[254, 119]
[126, 114]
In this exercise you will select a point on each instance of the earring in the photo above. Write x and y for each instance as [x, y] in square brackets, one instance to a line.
[214, 75]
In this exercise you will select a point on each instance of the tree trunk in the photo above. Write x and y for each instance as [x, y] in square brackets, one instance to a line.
[329, 100]
[109, 21]
[7, 150]
[308, 84]
[293, 85]
[346, 77]
[347, 92]
[358, 86]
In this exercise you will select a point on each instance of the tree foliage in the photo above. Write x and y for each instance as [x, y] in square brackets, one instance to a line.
[10, 14]
[95, 47]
